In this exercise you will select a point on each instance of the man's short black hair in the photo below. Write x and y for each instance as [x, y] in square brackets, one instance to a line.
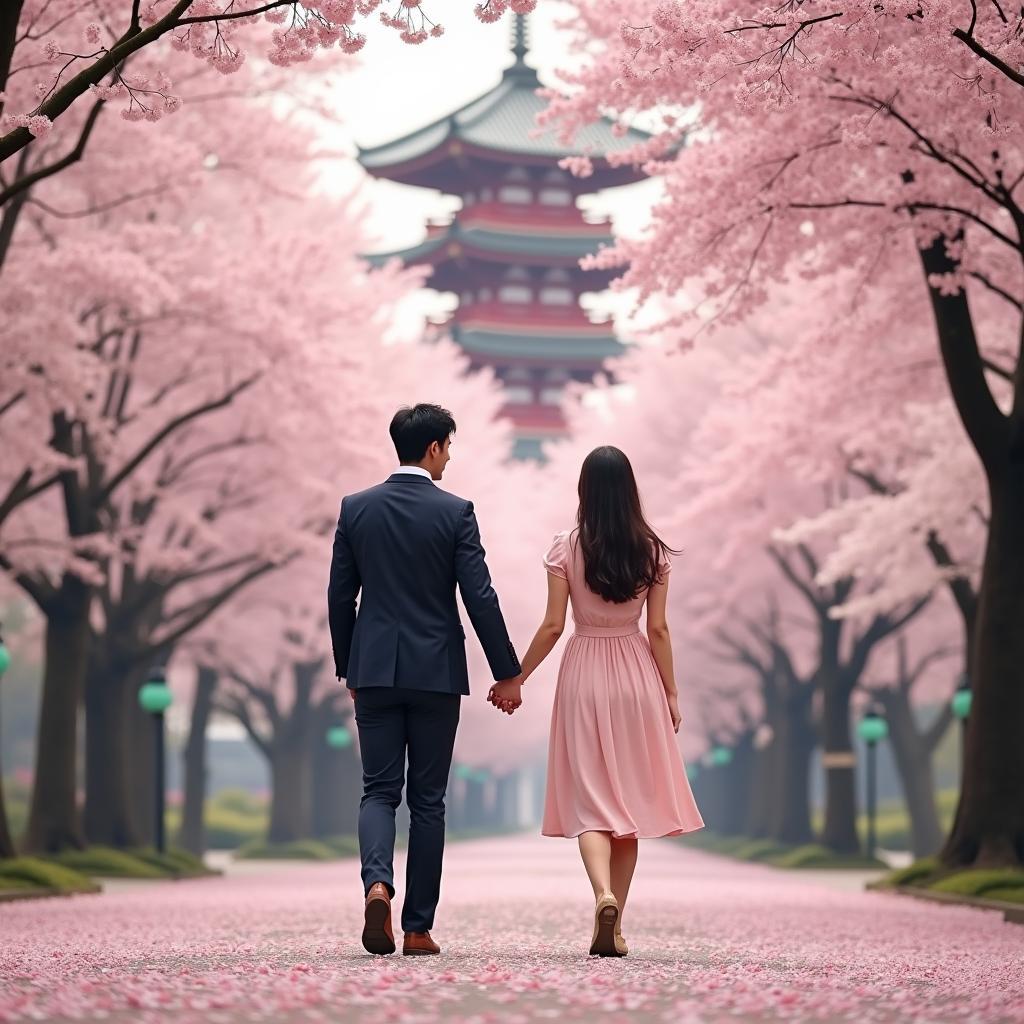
[414, 429]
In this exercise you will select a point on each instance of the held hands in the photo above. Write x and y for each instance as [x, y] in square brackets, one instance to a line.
[507, 695]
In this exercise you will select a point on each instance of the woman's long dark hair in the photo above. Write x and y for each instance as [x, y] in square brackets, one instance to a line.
[621, 552]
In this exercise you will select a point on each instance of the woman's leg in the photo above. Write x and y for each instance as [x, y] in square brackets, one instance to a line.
[624, 852]
[596, 851]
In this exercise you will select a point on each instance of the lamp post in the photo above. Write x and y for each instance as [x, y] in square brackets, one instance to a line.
[961, 705]
[6, 843]
[721, 756]
[872, 728]
[155, 698]
[338, 737]
[5, 656]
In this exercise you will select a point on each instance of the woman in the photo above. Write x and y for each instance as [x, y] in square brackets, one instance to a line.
[614, 770]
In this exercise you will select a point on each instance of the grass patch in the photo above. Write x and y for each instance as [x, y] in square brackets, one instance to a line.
[980, 881]
[227, 827]
[920, 873]
[300, 849]
[813, 855]
[106, 862]
[1009, 895]
[343, 846]
[779, 855]
[34, 872]
[174, 863]
[760, 849]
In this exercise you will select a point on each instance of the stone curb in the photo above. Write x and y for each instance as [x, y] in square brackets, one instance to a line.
[42, 893]
[1013, 913]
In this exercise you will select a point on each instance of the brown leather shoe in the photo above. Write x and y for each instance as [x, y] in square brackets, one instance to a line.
[377, 934]
[419, 944]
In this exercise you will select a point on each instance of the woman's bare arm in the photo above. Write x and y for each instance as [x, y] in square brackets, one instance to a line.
[551, 628]
[661, 645]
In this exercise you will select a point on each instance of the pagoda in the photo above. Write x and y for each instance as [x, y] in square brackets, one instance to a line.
[511, 253]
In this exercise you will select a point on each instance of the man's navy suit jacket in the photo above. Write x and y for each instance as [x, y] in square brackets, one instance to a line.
[406, 544]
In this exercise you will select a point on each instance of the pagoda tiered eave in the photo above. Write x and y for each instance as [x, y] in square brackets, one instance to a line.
[462, 243]
[494, 128]
[560, 348]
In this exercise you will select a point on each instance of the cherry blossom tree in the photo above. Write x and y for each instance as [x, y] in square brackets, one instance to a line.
[857, 138]
[763, 596]
[272, 651]
[142, 435]
[913, 746]
[86, 52]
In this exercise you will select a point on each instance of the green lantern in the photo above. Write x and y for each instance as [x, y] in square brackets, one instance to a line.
[481, 775]
[961, 703]
[154, 694]
[692, 771]
[463, 771]
[872, 727]
[721, 756]
[5, 658]
[338, 737]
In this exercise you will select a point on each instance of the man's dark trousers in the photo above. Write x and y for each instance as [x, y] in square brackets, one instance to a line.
[392, 723]
[403, 548]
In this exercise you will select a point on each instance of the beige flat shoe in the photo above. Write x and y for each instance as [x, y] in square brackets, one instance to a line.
[606, 917]
[620, 944]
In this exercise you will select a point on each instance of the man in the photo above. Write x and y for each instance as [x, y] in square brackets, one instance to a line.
[406, 544]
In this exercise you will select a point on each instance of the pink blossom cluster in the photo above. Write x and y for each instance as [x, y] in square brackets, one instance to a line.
[210, 30]
[710, 941]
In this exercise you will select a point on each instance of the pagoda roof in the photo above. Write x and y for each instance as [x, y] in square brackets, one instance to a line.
[550, 247]
[501, 123]
[538, 347]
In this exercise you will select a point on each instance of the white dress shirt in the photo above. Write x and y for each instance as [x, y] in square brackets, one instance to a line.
[414, 470]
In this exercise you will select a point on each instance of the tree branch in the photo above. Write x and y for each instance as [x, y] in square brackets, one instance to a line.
[978, 50]
[985, 424]
[236, 708]
[28, 180]
[169, 428]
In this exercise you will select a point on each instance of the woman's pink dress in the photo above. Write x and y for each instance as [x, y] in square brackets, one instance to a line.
[613, 761]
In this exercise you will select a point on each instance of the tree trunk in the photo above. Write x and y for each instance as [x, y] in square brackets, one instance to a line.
[796, 741]
[988, 829]
[914, 764]
[738, 781]
[53, 823]
[290, 773]
[764, 791]
[109, 771]
[840, 830]
[337, 787]
[6, 841]
[192, 834]
[475, 807]
[507, 802]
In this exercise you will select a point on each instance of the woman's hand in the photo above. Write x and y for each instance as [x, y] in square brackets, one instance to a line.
[673, 708]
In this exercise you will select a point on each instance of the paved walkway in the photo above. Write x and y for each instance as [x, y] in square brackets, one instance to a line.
[712, 940]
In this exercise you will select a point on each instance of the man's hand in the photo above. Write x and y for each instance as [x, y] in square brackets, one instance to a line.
[507, 695]
[352, 693]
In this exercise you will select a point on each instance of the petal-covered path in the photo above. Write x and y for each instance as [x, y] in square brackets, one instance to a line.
[712, 940]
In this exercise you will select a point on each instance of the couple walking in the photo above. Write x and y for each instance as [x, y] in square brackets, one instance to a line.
[614, 770]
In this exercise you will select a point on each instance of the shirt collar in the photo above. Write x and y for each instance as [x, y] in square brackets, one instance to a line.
[413, 471]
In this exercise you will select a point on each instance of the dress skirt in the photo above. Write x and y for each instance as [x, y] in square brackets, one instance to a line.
[613, 759]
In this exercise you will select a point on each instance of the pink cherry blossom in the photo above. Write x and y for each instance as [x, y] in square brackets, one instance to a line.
[710, 941]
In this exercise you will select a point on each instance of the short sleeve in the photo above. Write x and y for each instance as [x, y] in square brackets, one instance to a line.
[664, 567]
[557, 559]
